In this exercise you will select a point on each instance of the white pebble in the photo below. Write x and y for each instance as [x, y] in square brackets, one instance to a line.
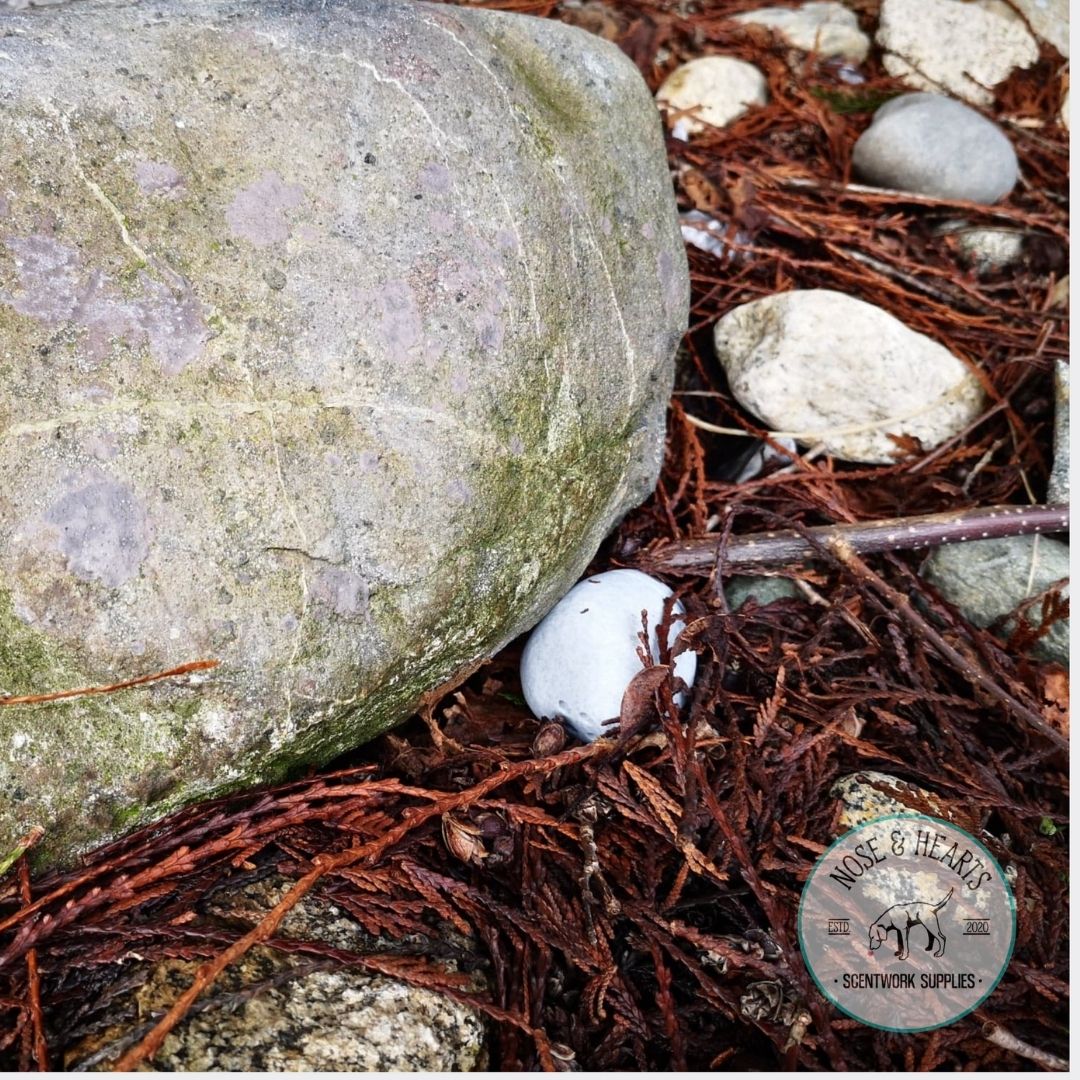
[823, 26]
[722, 86]
[583, 655]
[707, 234]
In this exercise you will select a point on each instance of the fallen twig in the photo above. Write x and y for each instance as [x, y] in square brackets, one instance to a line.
[699, 554]
[87, 691]
[1006, 1039]
[33, 982]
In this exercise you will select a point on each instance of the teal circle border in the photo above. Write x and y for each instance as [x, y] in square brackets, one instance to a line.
[859, 828]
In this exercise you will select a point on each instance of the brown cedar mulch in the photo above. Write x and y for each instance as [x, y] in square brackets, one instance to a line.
[632, 904]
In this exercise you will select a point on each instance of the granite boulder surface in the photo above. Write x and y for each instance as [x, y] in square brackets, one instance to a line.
[333, 340]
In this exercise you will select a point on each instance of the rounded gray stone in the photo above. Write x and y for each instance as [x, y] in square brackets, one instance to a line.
[989, 579]
[933, 145]
[764, 590]
[1057, 489]
[334, 337]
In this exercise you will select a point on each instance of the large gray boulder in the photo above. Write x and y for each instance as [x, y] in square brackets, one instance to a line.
[333, 339]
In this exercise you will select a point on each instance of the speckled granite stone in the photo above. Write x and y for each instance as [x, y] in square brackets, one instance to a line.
[344, 1020]
[863, 800]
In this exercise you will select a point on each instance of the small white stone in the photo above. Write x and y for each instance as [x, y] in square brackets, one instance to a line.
[760, 457]
[987, 251]
[722, 86]
[960, 48]
[1059, 294]
[707, 234]
[829, 368]
[583, 655]
[823, 27]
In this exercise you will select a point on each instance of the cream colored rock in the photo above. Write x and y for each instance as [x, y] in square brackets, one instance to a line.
[821, 26]
[724, 89]
[949, 45]
[1059, 294]
[1048, 19]
[827, 368]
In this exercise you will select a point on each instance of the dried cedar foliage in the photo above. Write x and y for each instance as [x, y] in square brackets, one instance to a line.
[632, 905]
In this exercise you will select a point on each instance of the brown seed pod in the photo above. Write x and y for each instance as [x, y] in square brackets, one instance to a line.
[463, 840]
[563, 1057]
[550, 739]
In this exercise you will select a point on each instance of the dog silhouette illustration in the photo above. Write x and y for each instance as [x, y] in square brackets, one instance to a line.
[902, 918]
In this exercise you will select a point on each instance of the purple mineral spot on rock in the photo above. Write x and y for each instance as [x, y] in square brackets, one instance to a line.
[506, 240]
[400, 325]
[56, 289]
[159, 178]
[103, 532]
[49, 278]
[341, 590]
[257, 214]
[459, 492]
[440, 222]
[104, 445]
[665, 271]
[435, 178]
[459, 383]
[174, 322]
